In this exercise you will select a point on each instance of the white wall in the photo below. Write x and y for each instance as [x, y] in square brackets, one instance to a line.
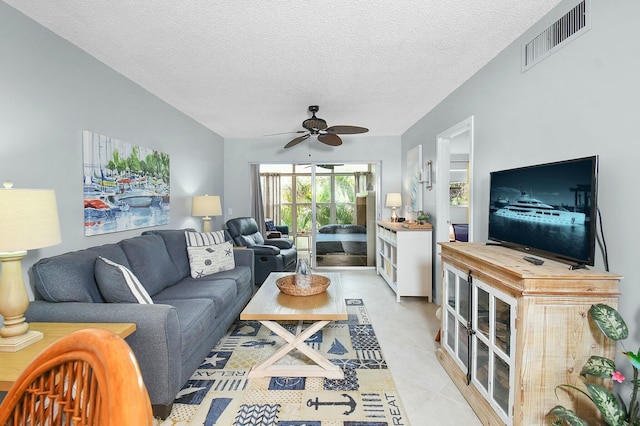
[240, 153]
[580, 101]
[50, 91]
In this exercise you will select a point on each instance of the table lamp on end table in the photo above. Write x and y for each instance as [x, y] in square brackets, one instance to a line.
[206, 206]
[28, 220]
[394, 199]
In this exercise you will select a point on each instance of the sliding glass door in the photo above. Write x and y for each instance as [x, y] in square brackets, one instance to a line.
[329, 208]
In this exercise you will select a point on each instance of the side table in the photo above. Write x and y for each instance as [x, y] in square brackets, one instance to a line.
[307, 236]
[12, 364]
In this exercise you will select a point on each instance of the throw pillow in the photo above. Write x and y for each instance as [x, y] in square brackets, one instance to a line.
[207, 260]
[270, 225]
[118, 284]
[199, 239]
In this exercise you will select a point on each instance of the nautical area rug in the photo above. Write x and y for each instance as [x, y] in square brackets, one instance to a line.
[219, 392]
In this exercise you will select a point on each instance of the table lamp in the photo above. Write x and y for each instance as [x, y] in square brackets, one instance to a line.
[394, 199]
[28, 220]
[206, 205]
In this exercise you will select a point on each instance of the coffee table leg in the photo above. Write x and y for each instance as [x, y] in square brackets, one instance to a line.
[323, 367]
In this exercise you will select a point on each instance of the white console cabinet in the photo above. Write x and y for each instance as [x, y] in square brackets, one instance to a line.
[404, 259]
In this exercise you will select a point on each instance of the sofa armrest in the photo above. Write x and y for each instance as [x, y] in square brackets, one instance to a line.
[283, 229]
[156, 341]
[244, 257]
[281, 243]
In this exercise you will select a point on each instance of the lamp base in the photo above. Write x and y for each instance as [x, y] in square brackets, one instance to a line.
[14, 344]
[206, 224]
[394, 216]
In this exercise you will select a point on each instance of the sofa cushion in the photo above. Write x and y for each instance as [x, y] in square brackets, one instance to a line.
[69, 277]
[199, 239]
[270, 226]
[207, 260]
[118, 284]
[240, 274]
[176, 247]
[222, 292]
[196, 317]
[150, 261]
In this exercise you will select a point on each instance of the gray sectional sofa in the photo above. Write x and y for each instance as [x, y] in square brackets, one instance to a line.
[175, 333]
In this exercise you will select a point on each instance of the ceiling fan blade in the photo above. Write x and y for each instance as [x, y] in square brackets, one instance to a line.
[330, 139]
[346, 130]
[297, 140]
[285, 133]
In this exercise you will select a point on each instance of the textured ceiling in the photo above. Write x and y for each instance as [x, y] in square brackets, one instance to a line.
[246, 68]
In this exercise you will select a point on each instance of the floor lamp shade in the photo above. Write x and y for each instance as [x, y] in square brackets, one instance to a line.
[206, 206]
[28, 220]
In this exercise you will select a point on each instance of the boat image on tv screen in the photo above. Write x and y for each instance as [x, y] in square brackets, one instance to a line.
[547, 209]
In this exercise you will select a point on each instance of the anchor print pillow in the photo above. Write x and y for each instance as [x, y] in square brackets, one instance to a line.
[207, 260]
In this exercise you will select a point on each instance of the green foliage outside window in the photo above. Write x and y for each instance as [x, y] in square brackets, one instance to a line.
[343, 198]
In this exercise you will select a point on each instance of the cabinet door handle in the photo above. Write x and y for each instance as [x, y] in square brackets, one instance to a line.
[470, 330]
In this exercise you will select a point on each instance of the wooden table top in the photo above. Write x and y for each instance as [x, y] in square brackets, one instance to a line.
[13, 363]
[270, 304]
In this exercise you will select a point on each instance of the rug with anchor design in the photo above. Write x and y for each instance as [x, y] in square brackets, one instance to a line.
[219, 392]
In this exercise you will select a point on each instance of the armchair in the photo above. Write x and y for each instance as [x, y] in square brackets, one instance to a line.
[270, 255]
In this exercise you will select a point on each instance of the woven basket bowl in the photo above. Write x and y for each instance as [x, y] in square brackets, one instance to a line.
[287, 285]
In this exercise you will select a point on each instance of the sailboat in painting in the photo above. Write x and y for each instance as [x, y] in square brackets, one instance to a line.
[125, 186]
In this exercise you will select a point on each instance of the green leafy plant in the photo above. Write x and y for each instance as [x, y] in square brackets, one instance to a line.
[613, 409]
[423, 217]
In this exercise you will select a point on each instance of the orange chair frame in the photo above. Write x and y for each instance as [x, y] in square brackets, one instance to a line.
[90, 377]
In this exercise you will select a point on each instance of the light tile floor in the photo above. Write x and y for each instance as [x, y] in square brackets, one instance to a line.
[406, 333]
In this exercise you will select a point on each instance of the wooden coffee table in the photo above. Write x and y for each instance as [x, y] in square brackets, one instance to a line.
[12, 364]
[269, 306]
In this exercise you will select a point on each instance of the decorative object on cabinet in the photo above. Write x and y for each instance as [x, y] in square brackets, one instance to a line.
[394, 200]
[28, 220]
[206, 206]
[404, 259]
[503, 318]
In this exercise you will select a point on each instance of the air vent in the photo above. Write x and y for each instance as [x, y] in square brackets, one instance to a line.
[573, 24]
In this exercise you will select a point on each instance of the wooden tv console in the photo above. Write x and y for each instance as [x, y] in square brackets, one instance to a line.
[512, 331]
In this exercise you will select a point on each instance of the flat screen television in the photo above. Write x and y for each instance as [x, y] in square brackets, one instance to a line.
[547, 209]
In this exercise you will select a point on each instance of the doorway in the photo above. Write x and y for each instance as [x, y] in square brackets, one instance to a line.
[454, 197]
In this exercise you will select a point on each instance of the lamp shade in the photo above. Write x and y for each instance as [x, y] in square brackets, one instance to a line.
[394, 199]
[206, 205]
[28, 219]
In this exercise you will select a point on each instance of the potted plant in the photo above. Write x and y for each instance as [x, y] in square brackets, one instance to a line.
[422, 217]
[614, 410]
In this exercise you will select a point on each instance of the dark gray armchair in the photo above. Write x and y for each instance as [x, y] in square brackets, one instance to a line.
[271, 255]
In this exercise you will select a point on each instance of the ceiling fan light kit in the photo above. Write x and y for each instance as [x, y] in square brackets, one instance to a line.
[327, 135]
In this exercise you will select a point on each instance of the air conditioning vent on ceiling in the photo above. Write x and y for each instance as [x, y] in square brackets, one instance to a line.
[573, 24]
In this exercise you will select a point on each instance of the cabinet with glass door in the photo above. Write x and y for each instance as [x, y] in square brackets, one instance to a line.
[478, 329]
[512, 331]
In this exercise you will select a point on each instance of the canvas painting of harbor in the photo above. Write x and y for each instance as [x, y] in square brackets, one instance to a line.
[126, 186]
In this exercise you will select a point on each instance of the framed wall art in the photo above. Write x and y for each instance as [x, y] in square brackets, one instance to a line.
[413, 177]
[126, 186]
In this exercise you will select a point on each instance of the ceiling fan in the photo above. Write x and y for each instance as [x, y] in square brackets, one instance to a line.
[327, 135]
